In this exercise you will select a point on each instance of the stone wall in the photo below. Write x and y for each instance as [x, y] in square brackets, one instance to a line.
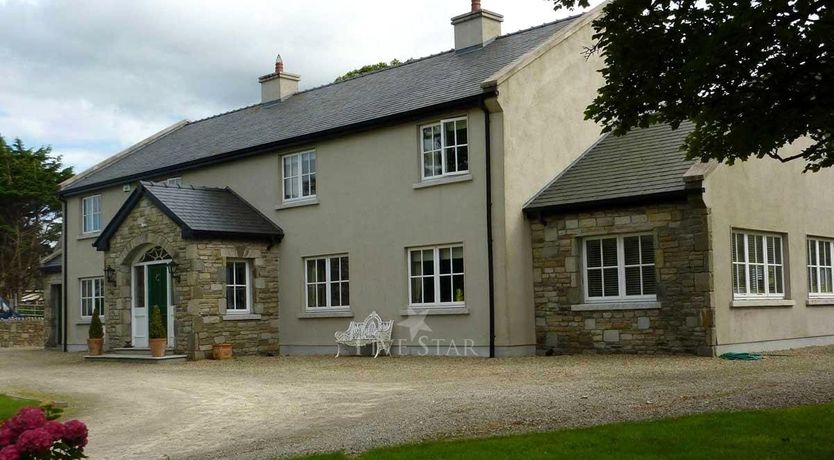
[198, 289]
[22, 333]
[682, 324]
[50, 318]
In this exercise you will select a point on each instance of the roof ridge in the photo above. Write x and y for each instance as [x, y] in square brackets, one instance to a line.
[367, 74]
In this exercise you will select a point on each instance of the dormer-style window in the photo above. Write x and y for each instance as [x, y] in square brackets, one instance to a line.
[91, 214]
[299, 172]
[445, 148]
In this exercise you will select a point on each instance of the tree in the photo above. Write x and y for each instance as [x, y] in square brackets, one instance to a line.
[367, 69]
[30, 211]
[751, 75]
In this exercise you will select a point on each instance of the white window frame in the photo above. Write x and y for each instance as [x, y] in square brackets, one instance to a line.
[621, 270]
[328, 282]
[443, 147]
[765, 264]
[92, 212]
[819, 243]
[92, 297]
[436, 276]
[230, 310]
[298, 179]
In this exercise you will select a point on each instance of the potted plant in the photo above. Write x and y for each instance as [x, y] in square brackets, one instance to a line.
[95, 342]
[222, 351]
[158, 336]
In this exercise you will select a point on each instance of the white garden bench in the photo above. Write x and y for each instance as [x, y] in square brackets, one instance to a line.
[373, 331]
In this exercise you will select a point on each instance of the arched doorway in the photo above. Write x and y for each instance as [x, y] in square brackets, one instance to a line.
[151, 286]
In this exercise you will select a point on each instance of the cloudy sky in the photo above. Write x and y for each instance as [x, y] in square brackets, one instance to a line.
[91, 77]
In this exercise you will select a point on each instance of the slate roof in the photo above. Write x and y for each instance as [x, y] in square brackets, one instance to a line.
[201, 212]
[644, 162]
[52, 263]
[418, 84]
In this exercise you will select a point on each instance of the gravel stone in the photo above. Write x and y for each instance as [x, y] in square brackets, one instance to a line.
[262, 407]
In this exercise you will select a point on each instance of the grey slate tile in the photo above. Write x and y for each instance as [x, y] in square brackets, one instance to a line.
[642, 162]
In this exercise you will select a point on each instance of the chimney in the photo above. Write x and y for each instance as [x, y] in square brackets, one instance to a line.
[476, 28]
[278, 85]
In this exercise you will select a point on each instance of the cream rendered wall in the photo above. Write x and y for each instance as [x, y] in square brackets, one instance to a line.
[82, 259]
[768, 196]
[544, 131]
[369, 209]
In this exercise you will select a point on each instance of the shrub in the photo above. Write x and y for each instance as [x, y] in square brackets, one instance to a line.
[157, 327]
[96, 330]
[29, 436]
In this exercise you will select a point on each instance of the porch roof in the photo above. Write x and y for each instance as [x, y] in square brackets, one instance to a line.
[644, 164]
[201, 212]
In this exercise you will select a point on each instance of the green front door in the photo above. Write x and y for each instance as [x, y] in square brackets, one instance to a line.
[158, 291]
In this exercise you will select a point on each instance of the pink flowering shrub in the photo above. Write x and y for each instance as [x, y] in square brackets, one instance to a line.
[29, 436]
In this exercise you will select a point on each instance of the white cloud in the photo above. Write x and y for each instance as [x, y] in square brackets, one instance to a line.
[91, 77]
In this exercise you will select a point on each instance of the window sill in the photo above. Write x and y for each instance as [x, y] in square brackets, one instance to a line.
[326, 314]
[607, 306]
[820, 302]
[240, 316]
[430, 311]
[297, 203]
[88, 236]
[442, 181]
[756, 303]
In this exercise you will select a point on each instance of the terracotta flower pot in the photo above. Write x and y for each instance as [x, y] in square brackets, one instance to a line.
[94, 346]
[222, 351]
[158, 347]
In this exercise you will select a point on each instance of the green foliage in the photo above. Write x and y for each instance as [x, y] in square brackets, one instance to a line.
[157, 327]
[796, 433]
[9, 406]
[751, 75]
[96, 329]
[367, 69]
[51, 411]
[30, 221]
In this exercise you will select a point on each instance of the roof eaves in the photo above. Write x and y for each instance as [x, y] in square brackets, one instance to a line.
[627, 200]
[285, 143]
[579, 21]
[113, 159]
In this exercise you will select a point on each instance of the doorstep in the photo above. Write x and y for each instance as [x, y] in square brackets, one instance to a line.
[144, 358]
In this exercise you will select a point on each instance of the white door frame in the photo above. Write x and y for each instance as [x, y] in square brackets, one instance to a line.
[142, 342]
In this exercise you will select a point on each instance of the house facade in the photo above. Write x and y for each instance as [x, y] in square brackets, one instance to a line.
[406, 192]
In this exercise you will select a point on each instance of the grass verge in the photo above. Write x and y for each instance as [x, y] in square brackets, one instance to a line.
[794, 433]
[9, 406]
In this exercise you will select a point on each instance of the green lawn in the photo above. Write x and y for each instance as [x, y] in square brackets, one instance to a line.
[801, 433]
[9, 406]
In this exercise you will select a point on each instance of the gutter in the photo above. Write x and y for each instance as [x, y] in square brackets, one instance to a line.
[490, 263]
[65, 249]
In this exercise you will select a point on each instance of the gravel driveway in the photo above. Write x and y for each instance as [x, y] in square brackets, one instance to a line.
[267, 407]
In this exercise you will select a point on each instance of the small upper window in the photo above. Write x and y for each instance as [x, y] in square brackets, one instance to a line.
[238, 287]
[820, 268]
[445, 148]
[91, 214]
[758, 269]
[299, 172]
[620, 268]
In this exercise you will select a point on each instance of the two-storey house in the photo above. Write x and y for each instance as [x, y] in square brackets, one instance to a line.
[426, 192]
